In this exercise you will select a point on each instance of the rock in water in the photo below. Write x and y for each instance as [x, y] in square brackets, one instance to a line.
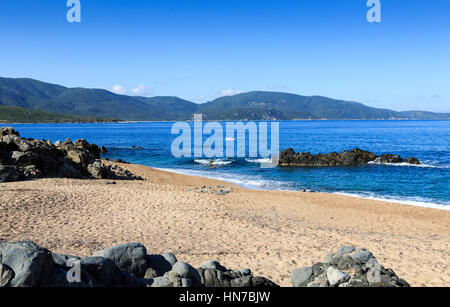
[355, 157]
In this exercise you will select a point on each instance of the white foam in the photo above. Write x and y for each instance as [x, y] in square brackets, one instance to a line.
[254, 183]
[409, 164]
[249, 182]
[417, 201]
[263, 160]
[214, 162]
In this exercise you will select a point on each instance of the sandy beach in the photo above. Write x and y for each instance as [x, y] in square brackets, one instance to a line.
[270, 232]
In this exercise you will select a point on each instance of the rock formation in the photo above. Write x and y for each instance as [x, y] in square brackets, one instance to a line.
[348, 267]
[29, 158]
[355, 157]
[25, 264]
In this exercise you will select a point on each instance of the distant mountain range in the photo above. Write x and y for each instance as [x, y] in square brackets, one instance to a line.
[97, 104]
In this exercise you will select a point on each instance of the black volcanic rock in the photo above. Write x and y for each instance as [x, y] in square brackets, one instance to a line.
[355, 157]
[29, 158]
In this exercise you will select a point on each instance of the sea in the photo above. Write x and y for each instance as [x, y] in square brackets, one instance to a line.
[428, 184]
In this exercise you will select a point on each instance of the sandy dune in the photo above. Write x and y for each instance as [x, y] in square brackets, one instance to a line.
[270, 232]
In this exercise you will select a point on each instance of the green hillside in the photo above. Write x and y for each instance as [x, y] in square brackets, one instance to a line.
[9, 114]
[98, 103]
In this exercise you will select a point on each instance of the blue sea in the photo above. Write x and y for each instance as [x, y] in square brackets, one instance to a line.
[424, 185]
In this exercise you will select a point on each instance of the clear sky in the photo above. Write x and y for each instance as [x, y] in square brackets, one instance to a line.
[198, 49]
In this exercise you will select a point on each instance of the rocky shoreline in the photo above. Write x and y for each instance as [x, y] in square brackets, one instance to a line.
[26, 264]
[22, 159]
[355, 157]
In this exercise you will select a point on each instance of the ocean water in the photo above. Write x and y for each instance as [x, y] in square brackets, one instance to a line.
[424, 185]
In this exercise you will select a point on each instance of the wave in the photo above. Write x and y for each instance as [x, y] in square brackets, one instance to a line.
[263, 160]
[409, 164]
[216, 162]
[245, 181]
[411, 201]
[256, 183]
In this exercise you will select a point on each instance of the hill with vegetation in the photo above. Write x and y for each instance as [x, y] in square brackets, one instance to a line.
[97, 103]
[9, 114]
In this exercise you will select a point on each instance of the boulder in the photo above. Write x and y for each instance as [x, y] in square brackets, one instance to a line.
[170, 257]
[348, 267]
[6, 275]
[131, 257]
[161, 282]
[185, 270]
[31, 263]
[103, 272]
[301, 277]
[336, 277]
[355, 157]
[9, 173]
[160, 264]
[32, 158]
[213, 264]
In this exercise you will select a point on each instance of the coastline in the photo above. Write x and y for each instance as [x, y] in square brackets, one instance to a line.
[272, 232]
[385, 199]
[221, 120]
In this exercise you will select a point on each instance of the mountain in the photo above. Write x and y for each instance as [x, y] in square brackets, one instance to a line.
[95, 103]
[9, 114]
[33, 94]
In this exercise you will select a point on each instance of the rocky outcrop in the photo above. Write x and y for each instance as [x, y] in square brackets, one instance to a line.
[25, 264]
[29, 158]
[355, 157]
[348, 267]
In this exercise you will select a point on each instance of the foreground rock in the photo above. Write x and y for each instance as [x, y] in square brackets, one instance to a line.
[22, 159]
[355, 157]
[348, 267]
[25, 264]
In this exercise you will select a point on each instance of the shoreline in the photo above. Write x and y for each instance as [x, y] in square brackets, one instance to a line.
[271, 232]
[175, 121]
[405, 202]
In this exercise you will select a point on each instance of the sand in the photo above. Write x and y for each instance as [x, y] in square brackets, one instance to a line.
[270, 232]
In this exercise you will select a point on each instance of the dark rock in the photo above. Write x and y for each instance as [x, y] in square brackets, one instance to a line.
[159, 263]
[103, 271]
[347, 268]
[355, 157]
[213, 278]
[32, 158]
[387, 158]
[9, 173]
[6, 275]
[262, 282]
[126, 265]
[31, 263]
[213, 265]
[185, 270]
[170, 258]
[413, 161]
[131, 257]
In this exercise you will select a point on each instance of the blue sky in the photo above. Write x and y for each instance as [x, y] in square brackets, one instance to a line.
[199, 50]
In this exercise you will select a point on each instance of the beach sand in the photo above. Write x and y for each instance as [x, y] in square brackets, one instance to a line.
[270, 232]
